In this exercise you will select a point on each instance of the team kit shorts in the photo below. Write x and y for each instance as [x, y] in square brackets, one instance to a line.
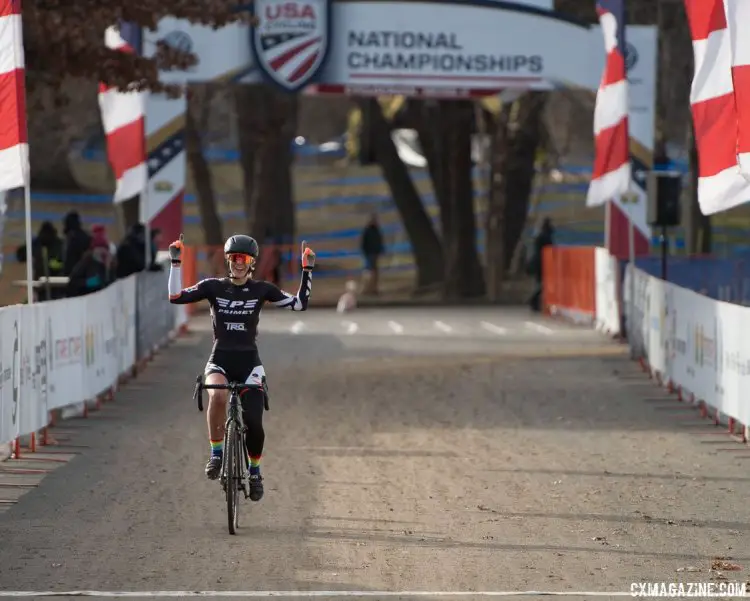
[236, 366]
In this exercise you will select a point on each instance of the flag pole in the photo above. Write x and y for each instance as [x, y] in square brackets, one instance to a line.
[147, 227]
[3, 211]
[607, 226]
[630, 200]
[29, 249]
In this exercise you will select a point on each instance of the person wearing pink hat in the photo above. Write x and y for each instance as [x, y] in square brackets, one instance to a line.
[93, 272]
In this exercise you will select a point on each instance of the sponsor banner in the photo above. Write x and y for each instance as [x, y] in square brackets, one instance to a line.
[60, 353]
[10, 371]
[155, 314]
[65, 336]
[32, 399]
[695, 342]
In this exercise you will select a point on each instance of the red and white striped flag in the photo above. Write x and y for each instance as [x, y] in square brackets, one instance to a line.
[611, 174]
[14, 143]
[720, 101]
[123, 117]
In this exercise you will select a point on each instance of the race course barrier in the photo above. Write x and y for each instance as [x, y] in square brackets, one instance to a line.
[581, 284]
[692, 344]
[58, 357]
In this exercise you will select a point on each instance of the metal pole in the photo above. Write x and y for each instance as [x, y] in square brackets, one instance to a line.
[630, 200]
[29, 249]
[607, 228]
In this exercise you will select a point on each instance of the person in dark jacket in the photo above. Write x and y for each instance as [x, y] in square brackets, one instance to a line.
[545, 237]
[93, 272]
[46, 257]
[372, 247]
[131, 254]
[77, 241]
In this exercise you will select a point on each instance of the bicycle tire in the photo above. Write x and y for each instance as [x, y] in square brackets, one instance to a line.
[232, 488]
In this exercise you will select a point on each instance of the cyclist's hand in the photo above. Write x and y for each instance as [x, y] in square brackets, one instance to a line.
[175, 251]
[308, 257]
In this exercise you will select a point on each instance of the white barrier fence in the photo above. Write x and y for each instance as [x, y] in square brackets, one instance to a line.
[62, 353]
[696, 344]
[606, 268]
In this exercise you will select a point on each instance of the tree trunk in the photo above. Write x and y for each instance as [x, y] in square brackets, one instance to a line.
[463, 270]
[285, 208]
[244, 97]
[53, 128]
[518, 133]
[428, 254]
[432, 138]
[519, 177]
[495, 254]
[199, 102]
[268, 122]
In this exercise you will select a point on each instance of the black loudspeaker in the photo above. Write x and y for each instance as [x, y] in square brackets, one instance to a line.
[664, 189]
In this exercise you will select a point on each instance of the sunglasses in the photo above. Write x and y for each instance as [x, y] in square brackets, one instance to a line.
[240, 258]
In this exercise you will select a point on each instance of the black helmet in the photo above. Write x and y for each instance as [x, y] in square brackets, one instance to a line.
[242, 244]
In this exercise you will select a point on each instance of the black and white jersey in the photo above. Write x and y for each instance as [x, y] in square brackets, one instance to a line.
[235, 310]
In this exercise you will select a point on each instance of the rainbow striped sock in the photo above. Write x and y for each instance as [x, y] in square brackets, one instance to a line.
[216, 447]
[254, 465]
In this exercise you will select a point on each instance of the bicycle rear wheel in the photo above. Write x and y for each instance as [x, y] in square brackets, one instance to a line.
[232, 479]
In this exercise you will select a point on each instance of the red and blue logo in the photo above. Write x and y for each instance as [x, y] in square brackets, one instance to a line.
[291, 40]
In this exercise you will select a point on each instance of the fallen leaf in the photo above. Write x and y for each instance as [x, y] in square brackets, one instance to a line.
[721, 564]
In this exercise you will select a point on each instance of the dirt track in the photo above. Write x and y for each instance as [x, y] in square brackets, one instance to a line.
[514, 474]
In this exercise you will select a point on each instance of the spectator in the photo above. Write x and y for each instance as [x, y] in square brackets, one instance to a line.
[93, 272]
[77, 241]
[543, 238]
[46, 257]
[131, 254]
[372, 247]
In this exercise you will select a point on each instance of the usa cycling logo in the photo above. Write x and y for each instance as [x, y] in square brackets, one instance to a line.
[291, 41]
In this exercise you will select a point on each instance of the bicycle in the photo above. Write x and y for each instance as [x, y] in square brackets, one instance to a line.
[235, 469]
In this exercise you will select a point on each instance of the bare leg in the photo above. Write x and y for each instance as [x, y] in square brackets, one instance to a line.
[216, 417]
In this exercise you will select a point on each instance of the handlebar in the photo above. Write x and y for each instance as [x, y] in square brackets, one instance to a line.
[234, 386]
[237, 387]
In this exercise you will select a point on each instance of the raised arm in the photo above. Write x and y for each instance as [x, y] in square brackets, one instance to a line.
[184, 296]
[177, 294]
[298, 302]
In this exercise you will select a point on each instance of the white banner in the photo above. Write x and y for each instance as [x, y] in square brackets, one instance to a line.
[10, 371]
[65, 332]
[123, 316]
[32, 399]
[607, 271]
[60, 353]
[695, 342]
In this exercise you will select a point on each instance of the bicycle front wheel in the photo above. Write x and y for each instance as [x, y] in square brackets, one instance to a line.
[232, 478]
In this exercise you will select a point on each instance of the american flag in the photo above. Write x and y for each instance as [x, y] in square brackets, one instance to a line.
[14, 145]
[123, 118]
[611, 173]
[720, 101]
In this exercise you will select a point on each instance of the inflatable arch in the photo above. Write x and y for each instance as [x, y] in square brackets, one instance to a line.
[433, 48]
